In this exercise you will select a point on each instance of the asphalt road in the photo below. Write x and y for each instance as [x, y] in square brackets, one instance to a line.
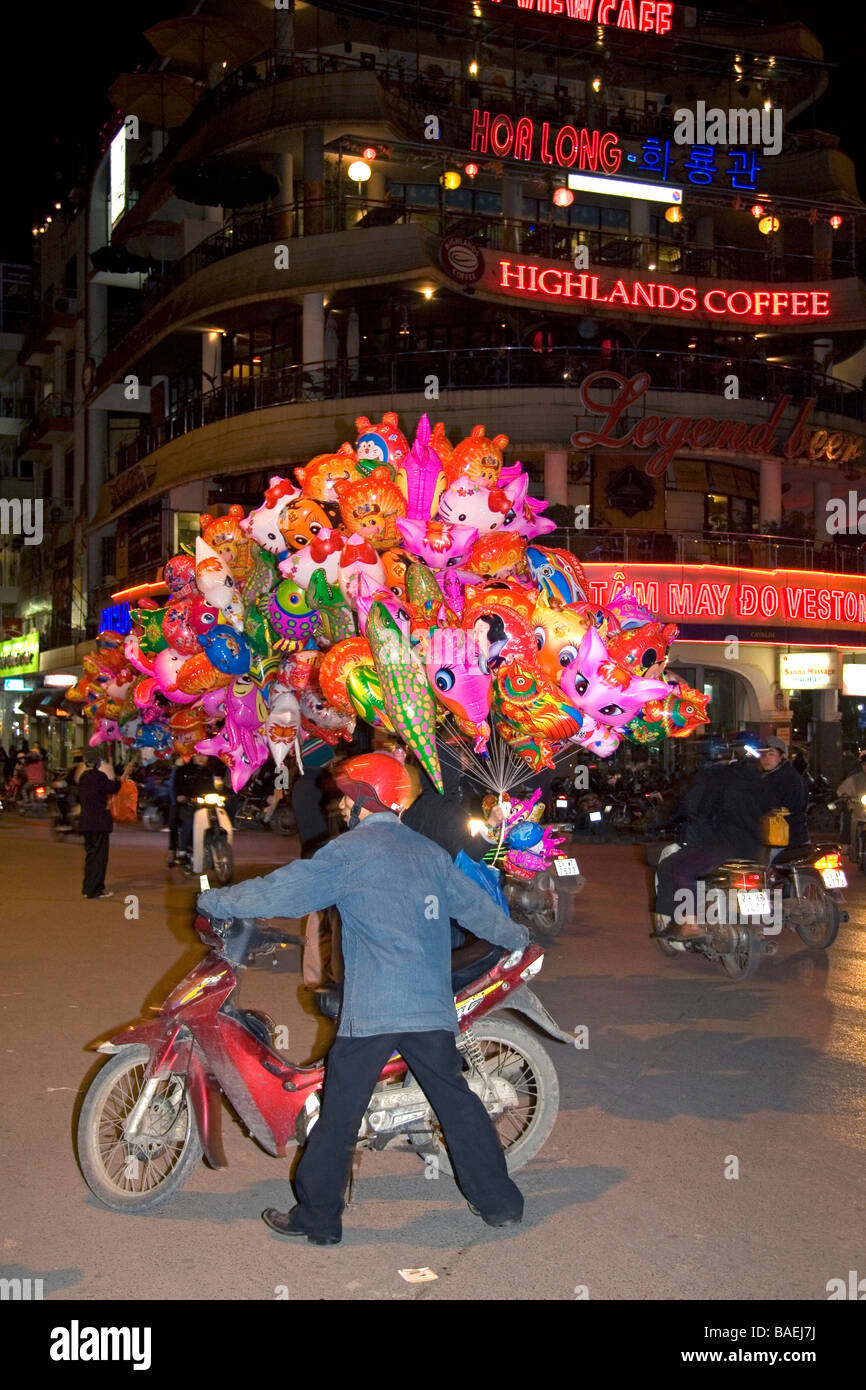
[684, 1073]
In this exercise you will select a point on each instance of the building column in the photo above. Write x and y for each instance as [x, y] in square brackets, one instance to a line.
[639, 225]
[822, 250]
[285, 171]
[314, 182]
[771, 491]
[556, 476]
[826, 740]
[512, 211]
[313, 334]
[211, 361]
[284, 28]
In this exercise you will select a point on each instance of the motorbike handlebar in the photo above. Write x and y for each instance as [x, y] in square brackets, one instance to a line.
[243, 938]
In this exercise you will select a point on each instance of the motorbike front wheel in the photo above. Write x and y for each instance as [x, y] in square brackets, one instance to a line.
[138, 1174]
[218, 856]
[511, 1051]
[823, 925]
[742, 962]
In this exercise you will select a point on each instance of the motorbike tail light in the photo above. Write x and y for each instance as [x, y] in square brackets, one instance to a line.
[828, 861]
[750, 881]
[39, 793]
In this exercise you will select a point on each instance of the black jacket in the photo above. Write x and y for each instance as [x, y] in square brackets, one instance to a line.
[785, 787]
[725, 805]
[94, 789]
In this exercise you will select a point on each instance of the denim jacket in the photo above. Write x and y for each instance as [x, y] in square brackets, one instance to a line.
[395, 891]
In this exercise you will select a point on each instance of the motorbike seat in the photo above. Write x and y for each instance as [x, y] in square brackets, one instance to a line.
[468, 964]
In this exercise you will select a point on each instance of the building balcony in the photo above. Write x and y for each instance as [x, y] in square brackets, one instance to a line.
[51, 424]
[748, 550]
[493, 369]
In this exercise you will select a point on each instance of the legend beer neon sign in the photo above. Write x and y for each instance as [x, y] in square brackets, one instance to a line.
[643, 16]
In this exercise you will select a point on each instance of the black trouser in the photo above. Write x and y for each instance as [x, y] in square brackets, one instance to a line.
[352, 1070]
[185, 815]
[682, 870]
[95, 862]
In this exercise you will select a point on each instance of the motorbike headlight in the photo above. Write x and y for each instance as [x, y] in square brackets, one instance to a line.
[213, 799]
[476, 826]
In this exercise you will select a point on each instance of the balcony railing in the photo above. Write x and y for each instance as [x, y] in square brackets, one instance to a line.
[54, 407]
[530, 236]
[740, 550]
[16, 407]
[488, 369]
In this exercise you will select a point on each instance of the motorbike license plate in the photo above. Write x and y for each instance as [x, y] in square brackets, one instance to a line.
[561, 804]
[754, 902]
[834, 878]
[595, 815]
[566, 867]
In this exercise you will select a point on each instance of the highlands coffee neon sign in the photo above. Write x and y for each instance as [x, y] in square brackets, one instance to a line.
[502, 136]
[561, 283]
[644, 16]
[668, 436]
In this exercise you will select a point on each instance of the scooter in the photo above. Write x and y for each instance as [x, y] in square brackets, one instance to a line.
[539, 882]
[154, 1108]
[735, 909]
[212, 836]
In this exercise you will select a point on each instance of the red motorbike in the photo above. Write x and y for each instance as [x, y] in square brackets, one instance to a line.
[154, 1108]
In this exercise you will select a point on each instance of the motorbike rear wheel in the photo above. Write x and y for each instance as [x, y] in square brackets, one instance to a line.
[667, 950]
[823, 927]
[151, 818]
[282, 822]
[218, 856]
[743, 961]
[510, 1050]
[142, 1174]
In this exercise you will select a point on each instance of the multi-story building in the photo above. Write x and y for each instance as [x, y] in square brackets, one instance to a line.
[307, 216]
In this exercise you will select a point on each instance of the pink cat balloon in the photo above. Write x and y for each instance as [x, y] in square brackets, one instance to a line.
[439, 545]
[216, 584]
[458, 682]
[527, 522]
[467, 502]
[601, 689]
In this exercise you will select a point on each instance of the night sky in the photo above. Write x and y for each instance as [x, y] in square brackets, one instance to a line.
[60, 59]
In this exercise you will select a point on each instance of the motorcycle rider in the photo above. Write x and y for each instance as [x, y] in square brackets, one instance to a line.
[723, 809]
[783, 786]
[395, 891]
[198, 777]
[853, 788]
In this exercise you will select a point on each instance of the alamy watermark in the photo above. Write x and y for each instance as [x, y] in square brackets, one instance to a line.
[716, 907]
[736, 126]
[22, 517]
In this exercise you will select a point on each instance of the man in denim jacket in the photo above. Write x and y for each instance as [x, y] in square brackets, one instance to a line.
[396, 892]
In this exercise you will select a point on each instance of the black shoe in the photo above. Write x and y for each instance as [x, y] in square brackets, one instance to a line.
[281, 1222]
[496, 1221]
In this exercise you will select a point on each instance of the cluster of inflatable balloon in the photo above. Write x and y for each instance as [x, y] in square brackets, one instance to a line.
[395, 583]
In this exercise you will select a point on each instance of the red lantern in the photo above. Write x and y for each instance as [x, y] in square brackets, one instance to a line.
[563, 197]
[369, 152]
[471, 170]
[835, 221]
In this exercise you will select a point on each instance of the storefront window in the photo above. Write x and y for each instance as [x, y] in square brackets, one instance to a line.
[186, 529]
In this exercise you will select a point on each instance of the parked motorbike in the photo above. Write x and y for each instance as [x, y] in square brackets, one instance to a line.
[212, 837]
[154, 1107]
[251, 812]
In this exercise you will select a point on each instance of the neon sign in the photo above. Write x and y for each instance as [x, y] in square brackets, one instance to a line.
[643, 16]
[502, 136]
[677, 432]
[116, 618]
[787, 606]
[555, 283]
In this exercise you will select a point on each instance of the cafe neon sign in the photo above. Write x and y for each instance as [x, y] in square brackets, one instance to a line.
[553, 282]
[643, 16]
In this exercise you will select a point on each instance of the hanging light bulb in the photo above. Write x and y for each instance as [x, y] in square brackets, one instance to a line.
[674, 214]
[359, 171]
[473, 68]
[835, 221]
[757, 210]
[451, 179]
[769, 224]
[471, 170]
[563, 197]
[596, 84]
[768, 105]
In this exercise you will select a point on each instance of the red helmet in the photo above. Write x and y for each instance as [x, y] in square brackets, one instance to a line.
[376, 782]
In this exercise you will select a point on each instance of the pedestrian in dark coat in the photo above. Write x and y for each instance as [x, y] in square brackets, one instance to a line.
[95, 786]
